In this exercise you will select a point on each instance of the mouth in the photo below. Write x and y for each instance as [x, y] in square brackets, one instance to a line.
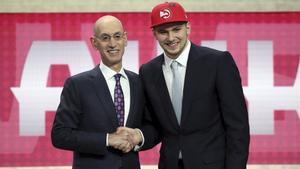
[172, 45]
[113, 51]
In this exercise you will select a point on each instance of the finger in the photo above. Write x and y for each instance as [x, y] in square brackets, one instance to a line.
[127, 149]
[131, 140]
[121, 129]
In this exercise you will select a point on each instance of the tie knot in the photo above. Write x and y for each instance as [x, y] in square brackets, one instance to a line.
[117, 76]
[174, 64]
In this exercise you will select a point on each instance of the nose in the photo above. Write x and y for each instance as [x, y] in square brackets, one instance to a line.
[171, 36]
[112, 43]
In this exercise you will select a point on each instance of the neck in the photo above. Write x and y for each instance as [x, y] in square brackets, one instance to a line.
[116, 68]
[176, 56]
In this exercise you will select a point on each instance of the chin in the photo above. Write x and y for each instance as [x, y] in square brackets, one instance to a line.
[173, 53]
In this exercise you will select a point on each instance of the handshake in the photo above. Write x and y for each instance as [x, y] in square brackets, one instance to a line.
[125, 139]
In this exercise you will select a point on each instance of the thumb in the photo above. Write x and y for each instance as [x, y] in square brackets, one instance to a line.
[120, 129]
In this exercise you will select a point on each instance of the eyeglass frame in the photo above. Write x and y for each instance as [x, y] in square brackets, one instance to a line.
[109, 37]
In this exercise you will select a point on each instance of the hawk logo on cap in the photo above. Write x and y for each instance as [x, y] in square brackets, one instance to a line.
[165, 13]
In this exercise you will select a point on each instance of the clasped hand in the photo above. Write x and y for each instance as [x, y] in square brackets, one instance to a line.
[124, 139]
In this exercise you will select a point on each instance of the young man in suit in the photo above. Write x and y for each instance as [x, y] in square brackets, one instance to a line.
[195, 99]
[95, 103]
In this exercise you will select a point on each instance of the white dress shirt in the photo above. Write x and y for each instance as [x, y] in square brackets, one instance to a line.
[182, 63]
[182, 60]
[111, 83]
[108, 74]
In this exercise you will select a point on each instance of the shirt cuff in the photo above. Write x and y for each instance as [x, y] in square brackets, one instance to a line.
[139, 146]
[107, 140]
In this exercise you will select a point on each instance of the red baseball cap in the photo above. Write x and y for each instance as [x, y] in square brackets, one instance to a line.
[166, 13]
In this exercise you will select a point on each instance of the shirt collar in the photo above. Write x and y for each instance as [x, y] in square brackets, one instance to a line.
[182, 58]
[108, 73]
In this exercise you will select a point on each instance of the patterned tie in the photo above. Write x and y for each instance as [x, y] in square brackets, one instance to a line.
[119, 100]
[176, 91]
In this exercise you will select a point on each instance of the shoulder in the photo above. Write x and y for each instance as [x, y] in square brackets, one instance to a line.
[83, 76]
[206, 51]
[208, 54]
[158, 60]
[153, 64]
[131, 74]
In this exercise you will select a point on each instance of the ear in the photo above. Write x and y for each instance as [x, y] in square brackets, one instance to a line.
[154, 32]
[93, 42]
[188, 28]
[125, 38]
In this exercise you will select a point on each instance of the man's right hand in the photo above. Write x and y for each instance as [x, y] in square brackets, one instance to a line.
[121, 141]
[135, 136]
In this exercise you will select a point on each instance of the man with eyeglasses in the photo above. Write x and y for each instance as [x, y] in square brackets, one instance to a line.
[95, 103]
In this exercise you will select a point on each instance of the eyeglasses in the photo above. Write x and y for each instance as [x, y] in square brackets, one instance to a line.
[106, 37]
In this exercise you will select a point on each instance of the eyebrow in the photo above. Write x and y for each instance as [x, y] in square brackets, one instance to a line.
[106, 34]
[174, 27]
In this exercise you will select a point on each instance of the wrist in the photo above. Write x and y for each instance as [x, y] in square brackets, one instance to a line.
[139, 137]
[109, 139]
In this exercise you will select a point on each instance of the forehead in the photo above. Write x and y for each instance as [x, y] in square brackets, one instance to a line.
[169, 26]
[109, 28]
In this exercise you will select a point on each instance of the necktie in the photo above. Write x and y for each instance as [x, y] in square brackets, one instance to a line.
[176, 91]
[119, 100]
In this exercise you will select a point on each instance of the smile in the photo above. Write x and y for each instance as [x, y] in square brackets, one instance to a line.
[172, 45]
[113, 51]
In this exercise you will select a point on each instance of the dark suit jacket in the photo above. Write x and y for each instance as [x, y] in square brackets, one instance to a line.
[86, 114]
[214, 130]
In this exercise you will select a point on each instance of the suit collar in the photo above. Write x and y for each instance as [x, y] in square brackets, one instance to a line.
[182, 58]
[108, 73]
[102, 91]
[104, 96]
[161, 88]
[133, 97]
[192, 65]
[195, 68]
[193, 55]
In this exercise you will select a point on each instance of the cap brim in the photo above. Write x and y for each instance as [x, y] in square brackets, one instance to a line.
[152, 26]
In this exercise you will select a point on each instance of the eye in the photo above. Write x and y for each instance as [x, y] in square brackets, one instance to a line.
[117, 36]
[162, 31]
[177, 29]
[104, 38]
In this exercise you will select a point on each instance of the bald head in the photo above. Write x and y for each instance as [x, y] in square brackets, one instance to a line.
[110, 40]
[107, 22]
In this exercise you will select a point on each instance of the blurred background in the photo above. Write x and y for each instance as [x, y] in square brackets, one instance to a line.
[45, 41]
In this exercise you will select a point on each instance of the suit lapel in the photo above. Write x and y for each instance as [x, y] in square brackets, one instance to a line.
[103, 94]
[161, 87]
[133, 97]
[193, 70]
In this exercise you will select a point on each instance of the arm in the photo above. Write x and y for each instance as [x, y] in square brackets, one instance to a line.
[124, 141]
[234, 112]
[135, 137]
[150, 126]
[66, 133]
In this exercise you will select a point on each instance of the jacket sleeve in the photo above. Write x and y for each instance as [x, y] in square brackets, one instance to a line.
[66, 133]
[150, 127]
[234, 112]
